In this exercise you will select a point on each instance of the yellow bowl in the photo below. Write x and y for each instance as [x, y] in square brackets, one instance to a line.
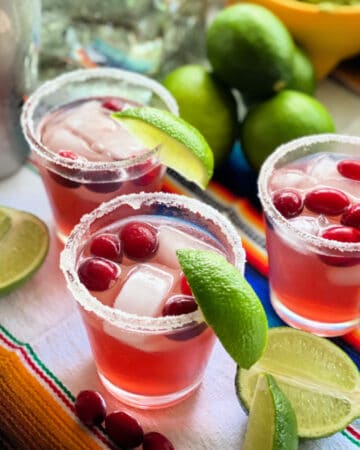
[328, 34]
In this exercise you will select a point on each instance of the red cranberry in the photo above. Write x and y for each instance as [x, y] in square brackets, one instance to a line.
[68, 154]
[341, 234]
[123, 429]
[326, 201]
[349, 168]
[100, 184]
[103, 188]
[184, 285]
[139, 240]
[148, 177]
[288, 202]
[98, 274]
[90, 407]
[106, 246]
[351, 216]
[113, 104]
[156, 441]
[179, 304]
[62, 180]
[66, 182]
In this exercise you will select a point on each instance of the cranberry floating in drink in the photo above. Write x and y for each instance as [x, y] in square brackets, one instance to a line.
[149, 339]
[84, 156]
[310, 192]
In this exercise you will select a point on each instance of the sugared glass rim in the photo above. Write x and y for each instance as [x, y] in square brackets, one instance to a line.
[83, 75]
[133, 322]
[273, 214]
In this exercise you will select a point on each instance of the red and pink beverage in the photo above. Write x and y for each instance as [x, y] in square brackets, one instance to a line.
[149, 339]
[310, 191]
[84, 156]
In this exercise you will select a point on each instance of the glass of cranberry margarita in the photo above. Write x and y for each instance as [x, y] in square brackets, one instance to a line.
[310, 192]
[149, 339]
[84, 156]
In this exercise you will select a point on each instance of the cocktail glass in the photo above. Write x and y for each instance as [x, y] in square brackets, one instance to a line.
[149, 362]
[314, 252]
[77, 186]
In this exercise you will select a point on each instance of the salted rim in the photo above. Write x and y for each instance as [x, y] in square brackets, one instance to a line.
[265, 198]
[83, 75]
[117, 317]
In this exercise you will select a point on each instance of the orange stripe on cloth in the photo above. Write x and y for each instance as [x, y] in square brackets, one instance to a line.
[31, 417]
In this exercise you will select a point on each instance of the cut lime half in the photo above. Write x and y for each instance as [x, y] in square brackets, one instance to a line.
[228, 303]
[182, 147]
[272, 420]
[320, 380]
[24, 243]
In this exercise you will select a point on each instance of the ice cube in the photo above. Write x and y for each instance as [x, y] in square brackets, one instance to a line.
[104, 136]
[145, 290]
[144, 293]
[291, 178]
[91, 133]
[172, 239]
[306, 224]
[310, 225]
[323, 168]
[58, 139]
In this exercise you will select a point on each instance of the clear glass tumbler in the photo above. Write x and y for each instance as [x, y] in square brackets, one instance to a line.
[148, 361]
[310, 192]
[76, 186]
[150, 37]
[19, 42]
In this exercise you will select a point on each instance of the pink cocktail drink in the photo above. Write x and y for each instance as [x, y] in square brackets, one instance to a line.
[84, 156]
[149, 340]
[310, 191]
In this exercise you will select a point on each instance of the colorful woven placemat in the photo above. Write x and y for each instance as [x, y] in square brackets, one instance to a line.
[36, 409]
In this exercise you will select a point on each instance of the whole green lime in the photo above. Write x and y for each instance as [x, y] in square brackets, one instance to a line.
[250, 49]
[207, 105]
[303, 76]
[286, 116]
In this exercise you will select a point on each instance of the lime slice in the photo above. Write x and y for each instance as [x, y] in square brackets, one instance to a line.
[228, 303]
[272, 420]
[24, 243]
[320, 380]
[183, 148]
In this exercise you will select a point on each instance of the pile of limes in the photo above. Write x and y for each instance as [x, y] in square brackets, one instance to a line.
[251, 50]
[251, 54]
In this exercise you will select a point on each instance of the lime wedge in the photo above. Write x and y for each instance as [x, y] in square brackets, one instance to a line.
[228, 303]
[24, 243]
[320, 380]
[183, 148]
[272, 420]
